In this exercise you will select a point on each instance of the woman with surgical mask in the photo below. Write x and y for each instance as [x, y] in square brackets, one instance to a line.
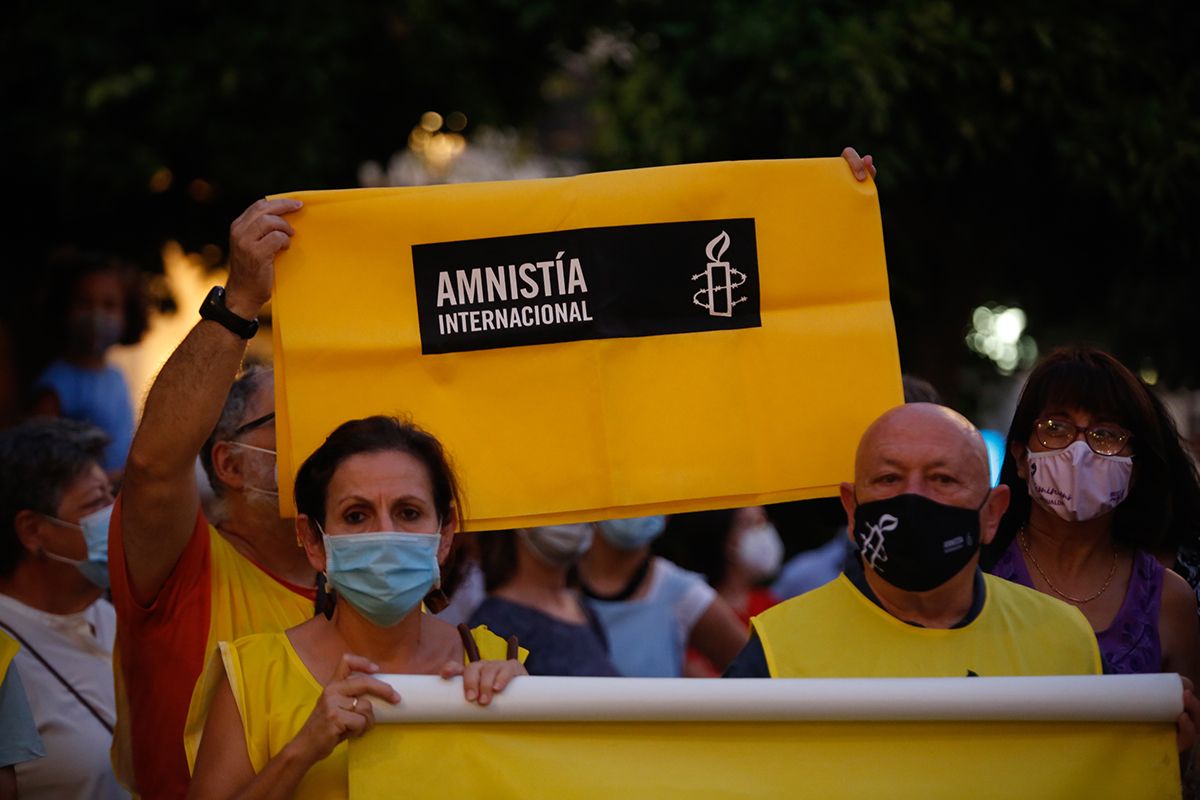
[55, 501]
[1087, 468]
[378, 508]
[528, 574]
[653, 610]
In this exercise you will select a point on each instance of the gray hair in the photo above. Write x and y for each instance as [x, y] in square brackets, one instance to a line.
[232, 416]
[39, 459]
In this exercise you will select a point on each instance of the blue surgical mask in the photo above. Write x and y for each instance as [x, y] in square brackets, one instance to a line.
[383, 575]
[630, 534]
[95, 535]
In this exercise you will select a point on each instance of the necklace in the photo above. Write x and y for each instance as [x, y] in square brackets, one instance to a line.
[1023, 538]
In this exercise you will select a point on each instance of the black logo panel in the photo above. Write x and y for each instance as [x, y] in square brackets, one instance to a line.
[588, 283]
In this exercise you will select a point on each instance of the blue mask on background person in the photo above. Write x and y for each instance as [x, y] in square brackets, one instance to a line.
[630, 534]
[95, 535]
[383, 575]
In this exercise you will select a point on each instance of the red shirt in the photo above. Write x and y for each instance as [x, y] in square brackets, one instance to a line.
[213, 593]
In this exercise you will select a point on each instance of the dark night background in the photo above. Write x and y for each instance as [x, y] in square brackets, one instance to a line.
[1040, 155]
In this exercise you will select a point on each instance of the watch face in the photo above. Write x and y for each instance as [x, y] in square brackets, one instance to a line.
[213, 308]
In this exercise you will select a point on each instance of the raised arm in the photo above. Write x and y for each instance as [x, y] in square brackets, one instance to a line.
[159, 498]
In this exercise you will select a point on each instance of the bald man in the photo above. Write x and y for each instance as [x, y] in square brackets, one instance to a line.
[912, 601]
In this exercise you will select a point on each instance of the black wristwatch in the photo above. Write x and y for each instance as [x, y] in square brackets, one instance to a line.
[214, 308]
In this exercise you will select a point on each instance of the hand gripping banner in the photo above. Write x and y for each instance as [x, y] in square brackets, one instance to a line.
[607, 345]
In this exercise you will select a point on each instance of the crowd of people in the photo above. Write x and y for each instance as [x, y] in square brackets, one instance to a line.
[219, 650]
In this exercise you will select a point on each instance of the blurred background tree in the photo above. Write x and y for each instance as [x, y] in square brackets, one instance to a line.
[1033, 155]
[1039, 155]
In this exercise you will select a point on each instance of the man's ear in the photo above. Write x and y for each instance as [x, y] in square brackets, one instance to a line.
[227, 465]
[849, 504]
[449, 527]
[1020, 454]
[27, 525]
[308, 537]
[992, 512]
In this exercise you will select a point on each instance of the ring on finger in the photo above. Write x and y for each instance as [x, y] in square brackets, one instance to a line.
[354, 704]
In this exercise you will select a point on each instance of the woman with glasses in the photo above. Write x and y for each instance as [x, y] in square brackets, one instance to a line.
[1088, 462]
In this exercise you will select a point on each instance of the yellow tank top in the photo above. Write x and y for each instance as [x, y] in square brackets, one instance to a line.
[836, 632]
[275, 693]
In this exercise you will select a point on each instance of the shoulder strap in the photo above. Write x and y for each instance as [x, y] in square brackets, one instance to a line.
[107, 725]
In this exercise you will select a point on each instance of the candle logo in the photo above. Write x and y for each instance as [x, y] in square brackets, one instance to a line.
[872, 544]
[717, 296]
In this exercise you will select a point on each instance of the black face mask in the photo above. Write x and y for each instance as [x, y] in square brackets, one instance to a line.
[914, 543]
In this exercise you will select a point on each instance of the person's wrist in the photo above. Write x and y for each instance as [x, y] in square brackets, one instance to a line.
[295, 752]
[241, 303]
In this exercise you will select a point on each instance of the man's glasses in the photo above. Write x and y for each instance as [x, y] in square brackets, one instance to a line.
[1105, 439]
[252, 424]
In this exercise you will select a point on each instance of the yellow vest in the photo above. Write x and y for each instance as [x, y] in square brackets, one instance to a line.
[275, 694]
[8, 650]
[836, 632]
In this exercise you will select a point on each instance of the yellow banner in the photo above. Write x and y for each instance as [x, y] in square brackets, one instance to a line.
[1089, 736]
[607, 345]
[825, 760]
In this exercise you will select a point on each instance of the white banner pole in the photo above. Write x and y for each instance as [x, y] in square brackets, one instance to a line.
[1107, 698]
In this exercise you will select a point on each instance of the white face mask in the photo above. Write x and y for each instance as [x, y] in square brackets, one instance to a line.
[94, 528]
[273, 493]
[1077, 484]
[760, 550]
[558, 545]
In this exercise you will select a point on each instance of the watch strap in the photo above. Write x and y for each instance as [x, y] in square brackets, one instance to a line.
[213, 308]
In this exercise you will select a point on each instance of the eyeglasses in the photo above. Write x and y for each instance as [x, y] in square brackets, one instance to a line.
[1105, 440]
[252, 424]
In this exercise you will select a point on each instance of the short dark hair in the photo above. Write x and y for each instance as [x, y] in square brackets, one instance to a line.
[919, 390]
[1090, 379]
[376, 435]
[231, 417]
[39, 459]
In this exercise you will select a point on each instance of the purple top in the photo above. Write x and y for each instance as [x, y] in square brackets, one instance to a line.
[1131, 643]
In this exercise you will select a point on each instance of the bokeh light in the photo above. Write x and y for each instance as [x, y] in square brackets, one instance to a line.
[161, 180]
[998, 334]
